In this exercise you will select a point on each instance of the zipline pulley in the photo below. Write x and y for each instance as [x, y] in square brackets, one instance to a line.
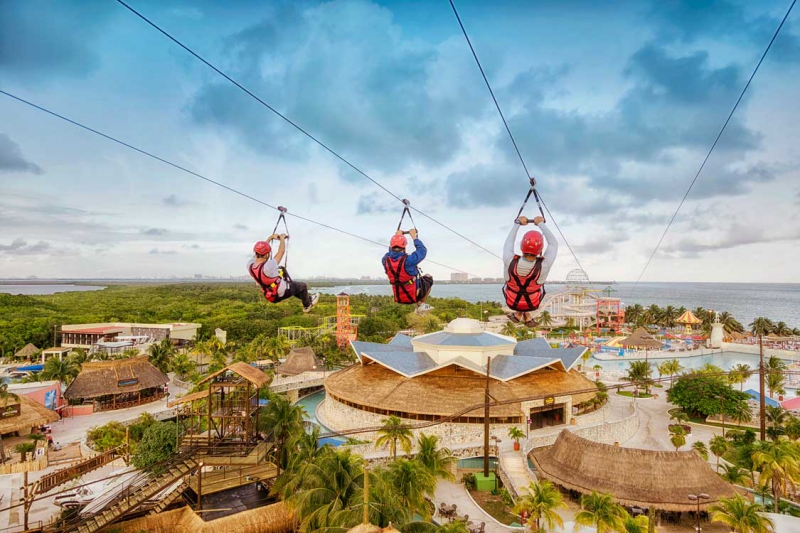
[406, 210]
[532, 191]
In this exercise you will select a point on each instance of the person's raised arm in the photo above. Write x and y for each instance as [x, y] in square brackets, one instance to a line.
[420, 251]
[550, 253]
[281, 249]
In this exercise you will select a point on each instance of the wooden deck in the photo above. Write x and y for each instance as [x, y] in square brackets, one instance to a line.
[232, 477]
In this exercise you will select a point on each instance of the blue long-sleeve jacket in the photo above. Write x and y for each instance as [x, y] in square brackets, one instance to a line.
[413, 259]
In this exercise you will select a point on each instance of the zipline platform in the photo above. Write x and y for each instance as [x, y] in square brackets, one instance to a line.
[231, 477]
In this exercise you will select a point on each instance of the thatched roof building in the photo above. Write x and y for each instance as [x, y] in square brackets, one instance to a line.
[641, 478]
[640, 339]
[275, 518]
[119, 383]
[26, 352]
[444, 373]
[21, 414]
[300, 360]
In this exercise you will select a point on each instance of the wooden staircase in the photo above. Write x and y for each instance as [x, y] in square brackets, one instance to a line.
[170, 498]
[141, 489]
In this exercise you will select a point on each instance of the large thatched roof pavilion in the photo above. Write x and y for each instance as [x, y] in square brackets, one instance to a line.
[641, 339]
[26, 352]
[118, 384]
[434, 376]
[640, 478]
[299, 361]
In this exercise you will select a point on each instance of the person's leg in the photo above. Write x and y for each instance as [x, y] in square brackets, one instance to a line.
[424, 289]
[300, 291]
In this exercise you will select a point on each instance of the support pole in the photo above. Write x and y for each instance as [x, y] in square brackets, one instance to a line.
[26, 503]
[199, 486]
[366, 496]
[127, 445]
[486, 423]
[762, 401]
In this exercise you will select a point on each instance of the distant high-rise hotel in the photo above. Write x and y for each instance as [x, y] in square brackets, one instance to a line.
[459, 277]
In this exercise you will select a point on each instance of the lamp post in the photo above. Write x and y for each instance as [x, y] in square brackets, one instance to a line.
[697, 498]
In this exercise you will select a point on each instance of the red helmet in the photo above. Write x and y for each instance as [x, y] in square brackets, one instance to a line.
[262, 248]
[532, 243]
[398, 241]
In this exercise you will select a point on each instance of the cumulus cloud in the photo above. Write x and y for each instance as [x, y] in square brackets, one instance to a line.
[11, 158]
[39, 41]
[155, 232]
[736, 236]
[173, 200]
[372, 203]
[688, 21]
[156, 251]
[21, 247]
[344, 71]
[240, 227]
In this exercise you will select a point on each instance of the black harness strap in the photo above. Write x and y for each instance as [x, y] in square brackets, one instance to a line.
[398, 285]
[523, 285]
[535, 194]
[281, 217]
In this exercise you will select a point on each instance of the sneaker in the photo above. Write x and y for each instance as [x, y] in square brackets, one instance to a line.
[513, 318]
[423, 308]
[314, 300]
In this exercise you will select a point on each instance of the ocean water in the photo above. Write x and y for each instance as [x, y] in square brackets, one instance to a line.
[35, 289]
[746, 301]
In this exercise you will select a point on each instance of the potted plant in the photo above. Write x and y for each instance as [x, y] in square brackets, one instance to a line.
[516, 434]
[597, 369]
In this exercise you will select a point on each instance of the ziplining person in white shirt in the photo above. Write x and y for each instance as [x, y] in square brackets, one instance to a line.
[525, 274]
[274, 281]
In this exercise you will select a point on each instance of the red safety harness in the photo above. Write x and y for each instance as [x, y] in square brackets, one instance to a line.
[404, 285]
[269, 286]
[523, 293]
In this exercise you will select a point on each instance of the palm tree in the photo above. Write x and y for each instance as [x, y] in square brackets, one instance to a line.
[61, 370]
[776, 415]
[4, 394]
[778, 464]
[160, 355]
[545, 320]
[277, 348]
[24, 448]
[412, 482]
[677, 436]
[259, 346]
[453, 527]
[585, 356]
[653, 314]
[741, 516]
[509, 330]
[700, 447]
[782, 330]
[740, 412]
[600, 510]
[633, 313]
[393, 430]
[792, 428]
[639, 373]
[328, 486]
[438, 461]
[182, 365]
[283, 420]
[740, 374]
[668, 317]
[735, 475]
[672, 367]
[541, 503]
[718, 446]
[515, 434]
[775, 382]
[77, 357]
[635, 524]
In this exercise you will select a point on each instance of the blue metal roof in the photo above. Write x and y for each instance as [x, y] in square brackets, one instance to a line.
[400, 340]
[406, 363]
[537, 347]
[444, 338]
[508, 366]
[756, 396]
[568, 356]
[373, 347]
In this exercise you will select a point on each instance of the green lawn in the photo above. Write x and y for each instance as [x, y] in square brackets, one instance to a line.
[495, 506]
[629, 394]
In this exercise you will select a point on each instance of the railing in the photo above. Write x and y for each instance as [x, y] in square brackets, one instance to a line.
[112, 406]
[52, 480]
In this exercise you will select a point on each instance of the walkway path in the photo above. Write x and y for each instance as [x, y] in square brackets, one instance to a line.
[454, 493]
[514, 465]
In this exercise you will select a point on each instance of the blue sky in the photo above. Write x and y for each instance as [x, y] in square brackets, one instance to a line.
[613, 106]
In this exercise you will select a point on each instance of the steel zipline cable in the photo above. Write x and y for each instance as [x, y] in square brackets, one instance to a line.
[204, 178]
[508, 130]
[714, 144]
[296, 126]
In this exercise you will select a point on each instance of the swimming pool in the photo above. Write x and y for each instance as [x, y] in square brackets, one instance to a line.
[310, 403]
[724, 360]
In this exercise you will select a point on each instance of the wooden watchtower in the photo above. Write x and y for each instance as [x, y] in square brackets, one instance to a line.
[219, 427]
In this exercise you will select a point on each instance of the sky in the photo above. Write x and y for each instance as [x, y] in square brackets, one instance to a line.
[613, 106]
